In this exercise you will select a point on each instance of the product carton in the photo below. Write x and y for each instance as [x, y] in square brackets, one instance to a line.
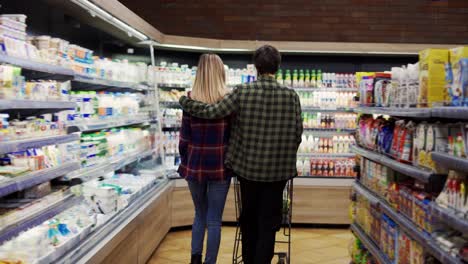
[459, 95]
[432, 77]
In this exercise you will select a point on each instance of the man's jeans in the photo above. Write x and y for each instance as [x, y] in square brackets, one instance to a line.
[209, 199]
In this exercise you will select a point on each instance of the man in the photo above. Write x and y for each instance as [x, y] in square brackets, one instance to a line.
[262, 150]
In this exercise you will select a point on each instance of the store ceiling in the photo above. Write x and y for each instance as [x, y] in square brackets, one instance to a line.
[399, 21]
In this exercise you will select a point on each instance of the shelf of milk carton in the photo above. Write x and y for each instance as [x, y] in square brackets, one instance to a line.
[126, 159]
[89, 246]
[31, 104]
[420, 174]
[24, 144]
[370, 244]
[31, 65]
[450, 162]
[310, 89]
[325, 155]
[92, 172]
[34, 178]
[169, 86]
[395, 111]
[450, 112]
[99, 124]
[38, 218]
[319, 109]
[410, 228]
[82, 81]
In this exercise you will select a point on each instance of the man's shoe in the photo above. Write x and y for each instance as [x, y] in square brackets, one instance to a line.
[196, 259]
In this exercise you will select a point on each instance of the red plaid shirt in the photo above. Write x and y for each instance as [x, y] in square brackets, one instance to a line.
[202, 147]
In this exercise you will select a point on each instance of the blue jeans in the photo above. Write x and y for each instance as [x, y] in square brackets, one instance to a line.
[209, 199]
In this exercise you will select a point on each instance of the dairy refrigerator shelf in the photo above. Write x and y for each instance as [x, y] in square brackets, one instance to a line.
[410, 228]
[329, 130]
[450, 112]
[37, 177]
[450, 162]
[31, 65]
[173, 86]
[395, 111]
[420, 174]
[125, 160]
[98, 238]
[33, 104]
[326, 155]
[38, 218]
[318, 109]
[89, 173]
[170, 104]
[308, 89]
[369, 244]
[105, 124]
[23, 144]
[81, 81]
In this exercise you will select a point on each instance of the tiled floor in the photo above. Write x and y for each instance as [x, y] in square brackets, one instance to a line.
[309, 245]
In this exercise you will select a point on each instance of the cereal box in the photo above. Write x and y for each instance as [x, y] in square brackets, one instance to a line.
[432, 77]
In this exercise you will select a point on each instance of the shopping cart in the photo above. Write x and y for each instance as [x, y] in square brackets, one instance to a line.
[283, 239]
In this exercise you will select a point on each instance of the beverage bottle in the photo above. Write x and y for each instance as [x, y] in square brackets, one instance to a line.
[287, 79]
[295, 78]
[279, 76]
[307, 78]
[313, 79]
[301, 78]
[319, 79]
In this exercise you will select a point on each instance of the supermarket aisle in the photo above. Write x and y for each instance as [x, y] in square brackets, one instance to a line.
[324, 246]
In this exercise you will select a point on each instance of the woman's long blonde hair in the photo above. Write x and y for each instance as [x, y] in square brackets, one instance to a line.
[210, 82]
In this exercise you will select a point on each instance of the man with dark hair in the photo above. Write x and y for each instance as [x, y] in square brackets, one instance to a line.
[262, 150]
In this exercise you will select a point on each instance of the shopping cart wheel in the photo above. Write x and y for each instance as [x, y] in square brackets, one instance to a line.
[282, 258]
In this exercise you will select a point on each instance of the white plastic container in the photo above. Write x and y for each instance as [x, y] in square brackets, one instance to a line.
[16, 17]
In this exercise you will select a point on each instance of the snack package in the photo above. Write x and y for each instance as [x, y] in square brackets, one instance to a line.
[412, 74]
[464, 80]
[436, 140]
[459, 94]
[432, 77]
[393, 91]
[381, 81]
[419, 144]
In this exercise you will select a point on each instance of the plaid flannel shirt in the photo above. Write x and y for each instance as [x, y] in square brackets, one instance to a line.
[267, 130]
[202, 148]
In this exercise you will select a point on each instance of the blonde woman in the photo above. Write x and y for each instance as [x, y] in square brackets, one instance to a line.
[202, 148]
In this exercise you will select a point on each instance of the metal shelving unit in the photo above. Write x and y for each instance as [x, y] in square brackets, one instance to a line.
[29, 104]
[326, 155]
[309, 89]
[420, 174]
[129, 158]
[173, 86]
[23, 144]
[450, 112]
[28, 64]
[410, 228]
[37, 177]
[38, 218]
[395, 111]
[451, 162]
[89, 173]
[447, 216]
[369, 244]
[106, 124]
[85, 82]
[318, 109]
[170, 104]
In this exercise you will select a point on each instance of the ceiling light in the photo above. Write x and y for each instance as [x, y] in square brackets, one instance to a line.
[95, 10]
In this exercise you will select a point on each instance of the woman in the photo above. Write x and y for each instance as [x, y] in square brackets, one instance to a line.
[202, 148]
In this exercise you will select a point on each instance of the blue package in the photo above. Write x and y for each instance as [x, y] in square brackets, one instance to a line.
[464, 80]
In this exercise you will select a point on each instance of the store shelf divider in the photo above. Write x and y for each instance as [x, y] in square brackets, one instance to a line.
[409, 227]
[33, 104]
[23, 144]
[326, 155]
[421, 174]
[88, 80]
[128, 159]
[89, 173]
[38, 218]
[395, 111]
[37, 177]
[318, 109]
[369, 244]
[103, 124]
[451, 162]
[455, 221]
[451, 112]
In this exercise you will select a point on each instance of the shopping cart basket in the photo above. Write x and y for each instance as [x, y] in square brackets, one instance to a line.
[284, 236]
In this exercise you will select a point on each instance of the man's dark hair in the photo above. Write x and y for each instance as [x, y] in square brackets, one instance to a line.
[267, 60]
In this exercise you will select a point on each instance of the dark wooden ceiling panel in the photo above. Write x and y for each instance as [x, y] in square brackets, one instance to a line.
[392, 21]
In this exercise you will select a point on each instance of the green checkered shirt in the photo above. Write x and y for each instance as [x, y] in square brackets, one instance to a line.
[266, 132]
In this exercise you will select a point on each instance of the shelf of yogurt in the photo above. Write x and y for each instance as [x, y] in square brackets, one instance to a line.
[303, 79]
[57, 56]
[329, 122]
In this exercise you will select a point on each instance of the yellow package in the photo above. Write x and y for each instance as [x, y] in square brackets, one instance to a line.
[432, 83]
[456, 54]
